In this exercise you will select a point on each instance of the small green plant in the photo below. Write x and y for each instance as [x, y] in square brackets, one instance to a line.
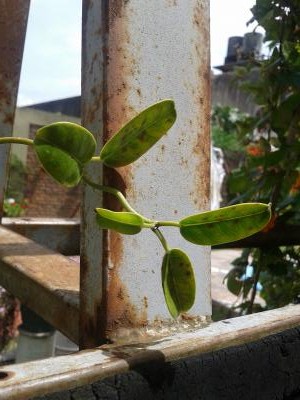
[16, 180]
[13, 208]
[64, 149]
[224, 121]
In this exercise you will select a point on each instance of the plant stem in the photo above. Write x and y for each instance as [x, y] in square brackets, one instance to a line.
[18, 140]
[254, 288]
[148, 223]
[167, 223]
[96, 159]
[161, 238]
[118, 195]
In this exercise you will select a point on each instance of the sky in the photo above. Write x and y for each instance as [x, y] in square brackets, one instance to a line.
[51, 61]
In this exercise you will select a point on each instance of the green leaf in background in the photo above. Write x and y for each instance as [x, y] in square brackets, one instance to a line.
[139, 134]
[233, 281]
[236, 181]
[225, 225]
[122, 222]
[282, 117]
[63, 148]
[178, 282]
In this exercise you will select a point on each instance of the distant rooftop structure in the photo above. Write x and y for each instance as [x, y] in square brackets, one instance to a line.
[69, 106]
[242, 49]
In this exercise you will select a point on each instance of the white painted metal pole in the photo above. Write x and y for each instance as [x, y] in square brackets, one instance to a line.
[149, 51]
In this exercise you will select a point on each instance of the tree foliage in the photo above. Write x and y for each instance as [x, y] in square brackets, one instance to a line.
[270, 171]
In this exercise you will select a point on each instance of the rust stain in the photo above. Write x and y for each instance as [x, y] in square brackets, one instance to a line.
[93, 109]
[145, 300]
[12, 32]
[203, 104]
[92, 327]
[119, 68]
[116, 9]
[114, 178]
[109, 109]
[121, 313]
[171, 3]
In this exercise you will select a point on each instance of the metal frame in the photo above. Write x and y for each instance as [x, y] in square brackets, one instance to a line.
[120, 76]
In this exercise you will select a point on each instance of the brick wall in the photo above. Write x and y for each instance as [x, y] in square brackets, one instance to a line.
[46, 198]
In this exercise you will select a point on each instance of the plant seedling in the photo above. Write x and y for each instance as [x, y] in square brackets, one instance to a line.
[64, 149]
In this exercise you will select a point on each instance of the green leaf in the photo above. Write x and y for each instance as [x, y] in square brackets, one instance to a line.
[139, 134]
[284, 114]
[233, 281]
[178, 282]
[63, 148]
[225, 225]
[237, 181]
[122, 222]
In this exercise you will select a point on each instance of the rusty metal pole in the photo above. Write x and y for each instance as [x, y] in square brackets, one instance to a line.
[13, 22]
[134, 54]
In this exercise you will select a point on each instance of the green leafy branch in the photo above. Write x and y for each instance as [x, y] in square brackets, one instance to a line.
[64, 149]
[269, 145]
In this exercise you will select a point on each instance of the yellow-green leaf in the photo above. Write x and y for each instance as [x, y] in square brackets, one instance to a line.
[122, 222]
[225, 225]
[139, 134]
[178, 282]
[63, 148]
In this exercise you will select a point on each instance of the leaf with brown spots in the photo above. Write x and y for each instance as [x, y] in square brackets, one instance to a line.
[178, 282]
[139, 134]
[63, 148]
[225, 225]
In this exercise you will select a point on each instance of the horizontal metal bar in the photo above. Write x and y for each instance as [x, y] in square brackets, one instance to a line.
[63, 234]
[46, 282]
[59, 234]
[24, 381]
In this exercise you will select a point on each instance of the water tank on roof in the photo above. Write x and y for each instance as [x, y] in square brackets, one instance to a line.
[234, 48]
[252, 44]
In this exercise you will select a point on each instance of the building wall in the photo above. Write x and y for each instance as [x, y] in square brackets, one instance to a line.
[225, 92]
[26, 116]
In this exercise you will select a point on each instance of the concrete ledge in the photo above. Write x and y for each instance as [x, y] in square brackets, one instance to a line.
[43, 280]
[59, 234]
